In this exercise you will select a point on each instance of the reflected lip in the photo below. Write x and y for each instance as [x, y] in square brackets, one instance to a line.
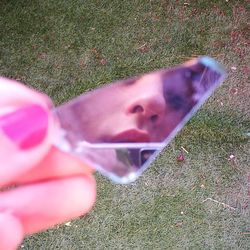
[131, 135]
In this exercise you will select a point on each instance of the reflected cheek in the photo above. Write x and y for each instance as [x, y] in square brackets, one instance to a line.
[173, 120]
[166, 126]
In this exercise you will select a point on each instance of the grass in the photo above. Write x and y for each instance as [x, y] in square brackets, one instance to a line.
[66, 47]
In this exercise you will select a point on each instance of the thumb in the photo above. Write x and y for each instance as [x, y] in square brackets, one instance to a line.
[26, 130]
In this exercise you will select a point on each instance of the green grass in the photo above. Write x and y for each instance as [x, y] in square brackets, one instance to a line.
[66, 47]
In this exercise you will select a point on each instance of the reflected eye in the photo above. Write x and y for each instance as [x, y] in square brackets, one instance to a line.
[175, 101]
[154, 118]
[192, 75]
[188, 73]
[195, 72]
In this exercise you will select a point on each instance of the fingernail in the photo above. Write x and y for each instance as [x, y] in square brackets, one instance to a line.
[26, 127]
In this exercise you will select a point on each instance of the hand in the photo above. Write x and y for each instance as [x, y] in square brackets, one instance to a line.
[41, 186]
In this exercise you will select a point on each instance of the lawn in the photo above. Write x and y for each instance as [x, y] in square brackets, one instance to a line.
[64, 48]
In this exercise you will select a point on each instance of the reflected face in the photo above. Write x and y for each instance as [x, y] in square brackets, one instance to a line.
[115, 119]
[145, 109]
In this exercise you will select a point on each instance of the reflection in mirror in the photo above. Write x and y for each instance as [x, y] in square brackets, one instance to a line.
[120, 126]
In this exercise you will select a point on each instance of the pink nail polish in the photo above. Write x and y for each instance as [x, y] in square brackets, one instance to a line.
[26, 127]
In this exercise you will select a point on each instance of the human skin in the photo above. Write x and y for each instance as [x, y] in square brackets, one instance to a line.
[140, 109]
[41, 186]
[134, 112]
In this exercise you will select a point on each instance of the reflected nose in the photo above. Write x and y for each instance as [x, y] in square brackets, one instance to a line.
[151, 107]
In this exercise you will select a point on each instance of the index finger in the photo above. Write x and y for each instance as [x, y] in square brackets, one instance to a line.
[56, 164]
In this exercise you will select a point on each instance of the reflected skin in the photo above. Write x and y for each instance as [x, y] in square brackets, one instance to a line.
[140, 109]
[145, 110]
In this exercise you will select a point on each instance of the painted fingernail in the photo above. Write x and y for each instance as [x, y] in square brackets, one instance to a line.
[26, 127]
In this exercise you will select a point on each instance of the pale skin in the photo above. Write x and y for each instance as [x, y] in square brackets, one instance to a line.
[139, 106]
[51, 186]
